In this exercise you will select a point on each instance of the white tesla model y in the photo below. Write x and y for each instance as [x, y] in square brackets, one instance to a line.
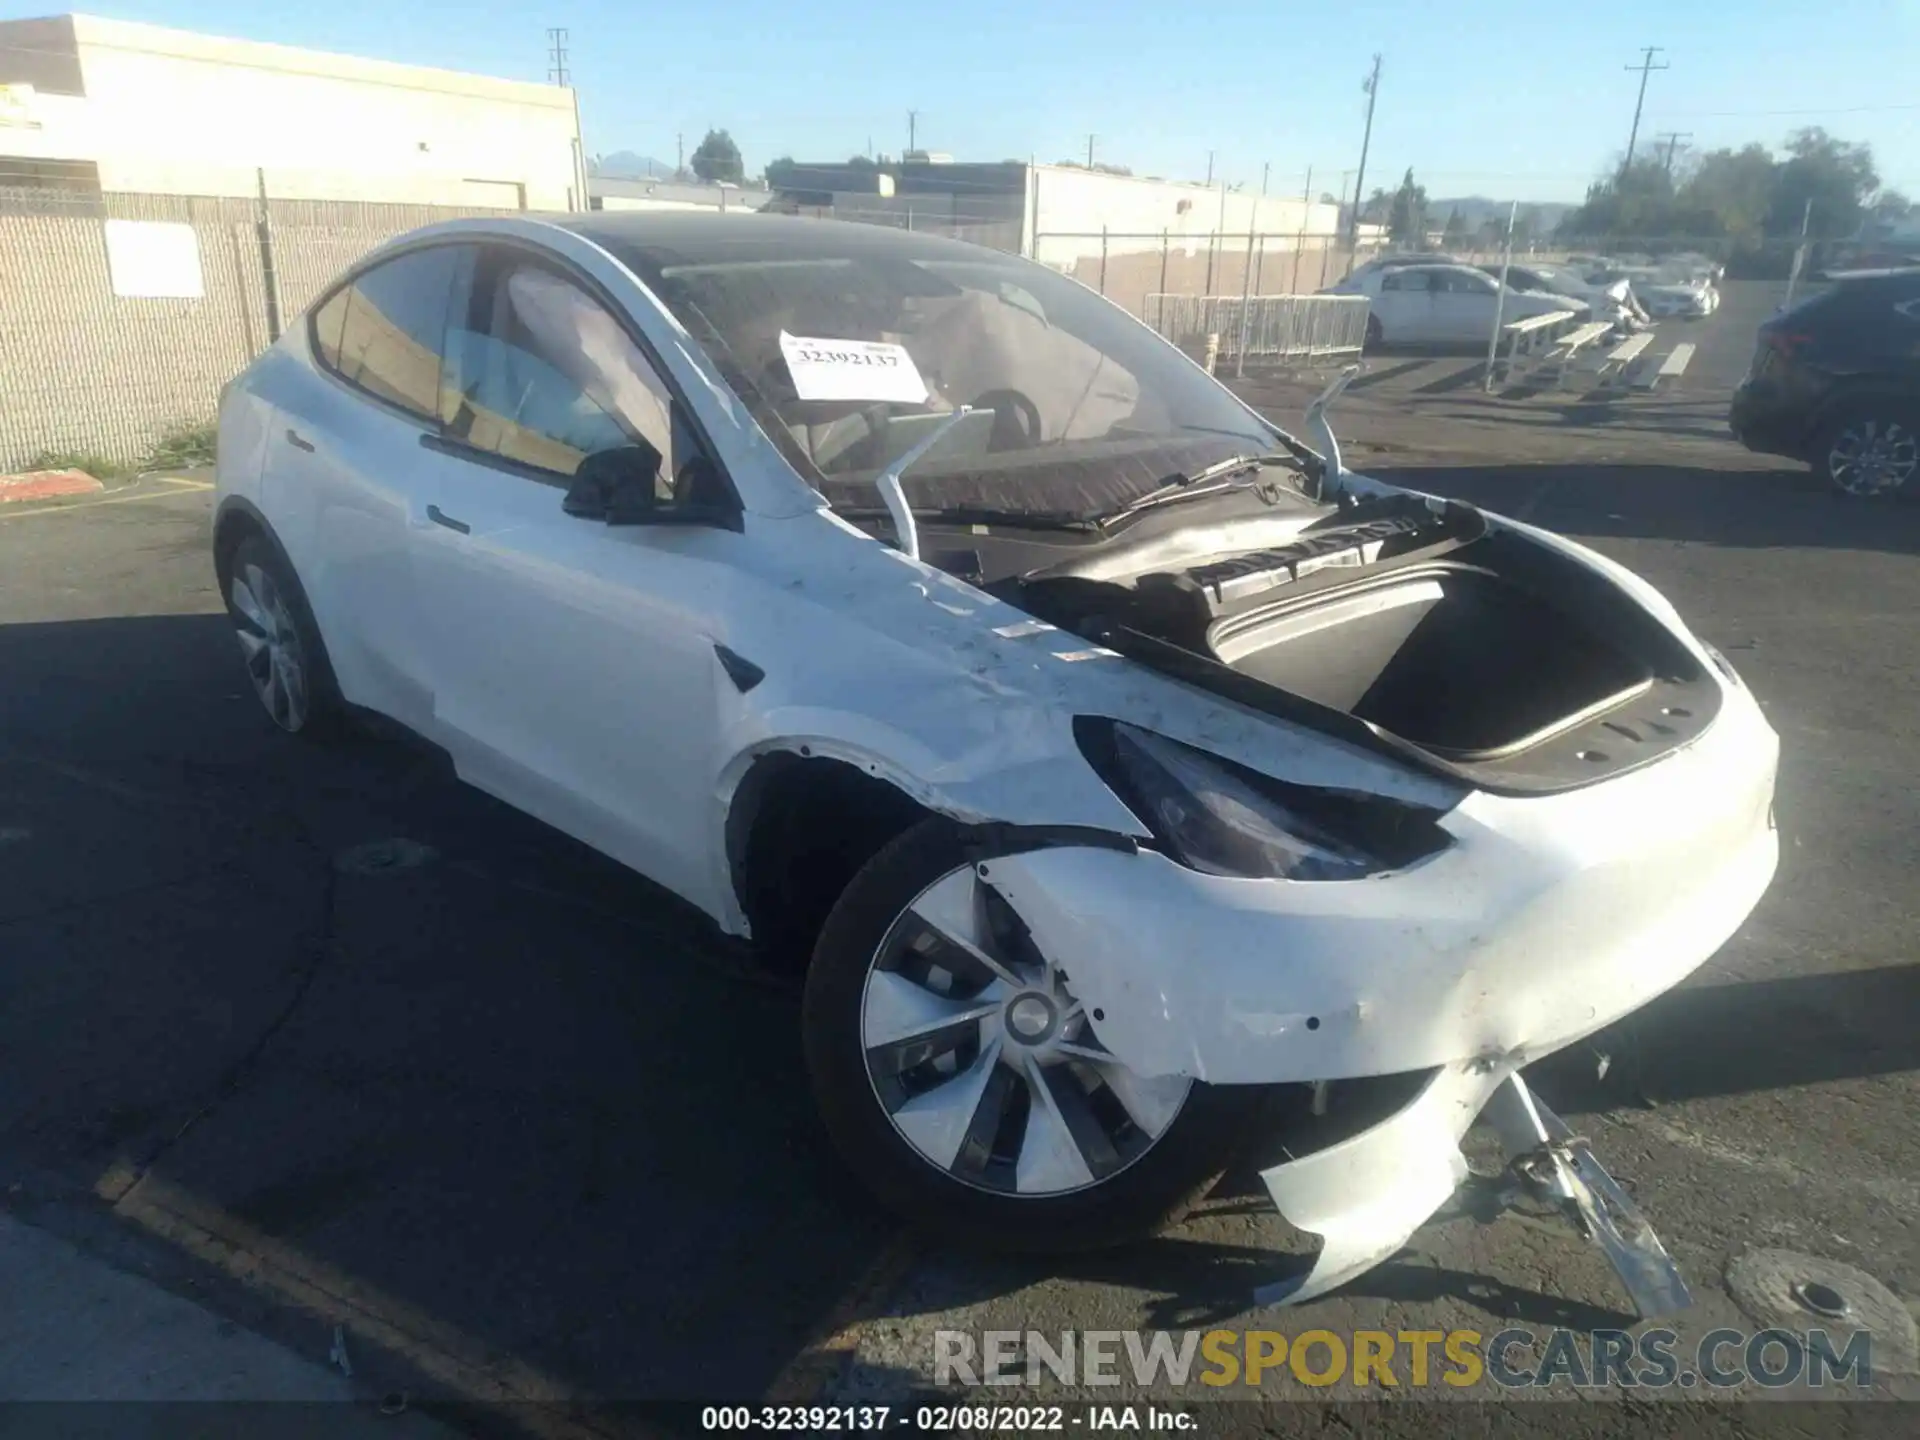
[1115, 760]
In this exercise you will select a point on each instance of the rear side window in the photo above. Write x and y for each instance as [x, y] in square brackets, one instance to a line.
[383, 334]
[1405, 280]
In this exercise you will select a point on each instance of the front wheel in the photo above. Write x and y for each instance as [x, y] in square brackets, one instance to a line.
[1871, 449]
[960, 1076]
[1376, 337]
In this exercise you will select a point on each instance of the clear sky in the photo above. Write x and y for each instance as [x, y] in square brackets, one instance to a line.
[1516, 101]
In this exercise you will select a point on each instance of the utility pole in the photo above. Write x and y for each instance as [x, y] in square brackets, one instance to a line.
[1372, 87]
[913, 132]
[557, 56]
[1266, 165]
[1090, 140]
[1673, 139]
[1646, 67]
[679, 155]
[1209, 167]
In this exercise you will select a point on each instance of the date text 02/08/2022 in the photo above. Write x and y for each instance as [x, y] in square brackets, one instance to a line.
[943, 1419]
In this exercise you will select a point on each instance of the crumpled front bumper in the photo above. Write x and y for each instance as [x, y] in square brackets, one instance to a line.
[1548, 918]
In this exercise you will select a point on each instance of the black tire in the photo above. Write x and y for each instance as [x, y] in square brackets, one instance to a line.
[322, 712]
[1376, 337]
[1154, 1191]
[1890, 420]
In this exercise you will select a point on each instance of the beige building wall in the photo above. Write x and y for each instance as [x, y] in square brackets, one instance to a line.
[170, 112]
[1068, 208]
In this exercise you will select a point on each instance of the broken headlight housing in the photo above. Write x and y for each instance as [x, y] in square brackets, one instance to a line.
[1220, 818]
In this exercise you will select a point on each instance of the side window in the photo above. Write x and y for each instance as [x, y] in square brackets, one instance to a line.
[391, 322]
[543, 374]
[1404, 280]
[1466, 282]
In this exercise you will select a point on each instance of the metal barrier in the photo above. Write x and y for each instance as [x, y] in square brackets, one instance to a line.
[1264, 329]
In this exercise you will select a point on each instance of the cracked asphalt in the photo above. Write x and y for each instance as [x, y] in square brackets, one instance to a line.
[523, 1129]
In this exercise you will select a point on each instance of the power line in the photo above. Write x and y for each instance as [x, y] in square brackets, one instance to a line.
[1646, 67]
[557, 56]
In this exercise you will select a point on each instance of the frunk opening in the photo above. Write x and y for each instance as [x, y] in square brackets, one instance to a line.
[1452, 658]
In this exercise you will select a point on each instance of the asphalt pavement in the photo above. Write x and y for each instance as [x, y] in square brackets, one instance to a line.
[320, 1040]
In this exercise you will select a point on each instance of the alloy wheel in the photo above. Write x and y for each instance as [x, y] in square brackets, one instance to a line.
[1873, 457]
[270, 644]
[984, 1060]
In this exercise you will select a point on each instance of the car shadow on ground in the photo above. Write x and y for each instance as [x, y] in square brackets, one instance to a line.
[1758, 509]
[483, 1090]
[506, 1091]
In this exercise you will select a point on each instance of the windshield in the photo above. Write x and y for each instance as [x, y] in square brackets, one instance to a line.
[850, 359]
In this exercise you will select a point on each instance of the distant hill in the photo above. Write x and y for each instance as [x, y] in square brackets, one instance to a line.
[626, 165]
[1476, 210]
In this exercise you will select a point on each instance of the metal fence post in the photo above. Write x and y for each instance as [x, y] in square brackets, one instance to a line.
[1103, 259]
[1163, 260]
[263, 226]
[1246, 307]
[909, 217]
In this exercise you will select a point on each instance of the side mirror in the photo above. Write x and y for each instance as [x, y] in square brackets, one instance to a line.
[616, 486]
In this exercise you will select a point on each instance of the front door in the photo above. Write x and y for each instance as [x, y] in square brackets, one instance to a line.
[573, 664]
[1405, 305]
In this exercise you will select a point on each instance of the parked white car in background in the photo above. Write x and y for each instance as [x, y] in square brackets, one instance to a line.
[1115, 763]
[1614, 302]
[1442, 304]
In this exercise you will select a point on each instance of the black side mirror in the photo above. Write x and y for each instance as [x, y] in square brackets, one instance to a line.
[616, 486]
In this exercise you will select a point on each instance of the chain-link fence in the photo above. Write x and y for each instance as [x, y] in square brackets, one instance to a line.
[94, 364]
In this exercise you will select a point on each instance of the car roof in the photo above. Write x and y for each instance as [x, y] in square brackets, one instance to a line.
[662, 238]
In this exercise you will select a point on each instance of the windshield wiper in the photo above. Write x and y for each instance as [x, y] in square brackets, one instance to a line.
[1208, 480]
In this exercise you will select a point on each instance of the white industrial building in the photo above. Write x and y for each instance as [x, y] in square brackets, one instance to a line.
[105, 105]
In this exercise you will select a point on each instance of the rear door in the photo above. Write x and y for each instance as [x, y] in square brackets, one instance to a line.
[1464, 302]
[345, 470]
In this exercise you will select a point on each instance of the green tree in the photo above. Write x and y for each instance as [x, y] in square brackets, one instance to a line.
[718, 158]
[1455, 234]
[1407, 216]
[1836, 178]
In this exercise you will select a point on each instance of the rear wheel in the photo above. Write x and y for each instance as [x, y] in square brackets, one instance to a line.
[959, 1073]
[1871, 449]
[279, 644]
[1376, 337]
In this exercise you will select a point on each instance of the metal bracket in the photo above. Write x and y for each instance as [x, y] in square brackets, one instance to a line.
[888, 480]
[1322, 432]
[1560, 1167]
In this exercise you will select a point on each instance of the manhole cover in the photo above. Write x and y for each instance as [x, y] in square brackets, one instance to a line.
[378, 857]
[1804, 1292]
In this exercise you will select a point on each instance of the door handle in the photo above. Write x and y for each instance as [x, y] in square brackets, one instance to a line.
[440, 517]
[298, 441]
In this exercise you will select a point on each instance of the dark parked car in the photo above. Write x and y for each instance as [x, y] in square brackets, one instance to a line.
[1836, 382]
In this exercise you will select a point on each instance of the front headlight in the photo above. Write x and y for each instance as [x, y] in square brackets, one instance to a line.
[1217, 817]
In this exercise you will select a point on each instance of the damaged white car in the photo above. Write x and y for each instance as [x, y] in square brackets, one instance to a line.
[1117, 761]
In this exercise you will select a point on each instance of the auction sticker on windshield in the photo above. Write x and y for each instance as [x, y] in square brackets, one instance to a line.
[852, 370]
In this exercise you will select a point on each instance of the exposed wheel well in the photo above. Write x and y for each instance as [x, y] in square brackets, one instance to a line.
[235, 525]
[799, 830]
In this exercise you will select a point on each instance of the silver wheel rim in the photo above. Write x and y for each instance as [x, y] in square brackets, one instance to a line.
[270, 644]
[984, 1061]
[1872, 457]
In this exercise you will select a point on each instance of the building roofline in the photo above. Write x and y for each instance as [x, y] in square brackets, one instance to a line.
[97, 33]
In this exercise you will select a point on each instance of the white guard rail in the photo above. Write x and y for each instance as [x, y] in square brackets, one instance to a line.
[1264, 329]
